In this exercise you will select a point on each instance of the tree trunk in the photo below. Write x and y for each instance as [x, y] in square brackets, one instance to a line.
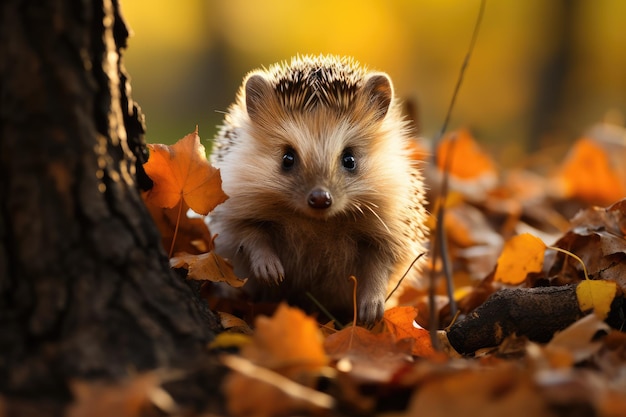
[85, 288]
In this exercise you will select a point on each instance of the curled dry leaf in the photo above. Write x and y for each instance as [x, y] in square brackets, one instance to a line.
[207, 267]
[577, 341]
[596, 237]
[612, 219]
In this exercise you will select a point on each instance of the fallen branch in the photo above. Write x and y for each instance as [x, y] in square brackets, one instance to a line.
[536, 313]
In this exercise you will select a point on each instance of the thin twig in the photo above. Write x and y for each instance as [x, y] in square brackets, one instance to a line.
[404, 275]
[440, 244]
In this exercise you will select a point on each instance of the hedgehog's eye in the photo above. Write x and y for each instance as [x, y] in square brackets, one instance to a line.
[348, 161]
[289, 159]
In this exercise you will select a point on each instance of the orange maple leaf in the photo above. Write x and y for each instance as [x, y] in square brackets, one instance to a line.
[181, 171]
[400, 322]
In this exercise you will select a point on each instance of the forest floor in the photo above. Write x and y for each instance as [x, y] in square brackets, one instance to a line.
[538, 255]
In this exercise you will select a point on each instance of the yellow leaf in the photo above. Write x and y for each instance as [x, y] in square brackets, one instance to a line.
[227, 340]
[597, 295]
[521, 255]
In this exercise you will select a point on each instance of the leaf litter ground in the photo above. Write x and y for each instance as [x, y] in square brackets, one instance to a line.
[540, 293]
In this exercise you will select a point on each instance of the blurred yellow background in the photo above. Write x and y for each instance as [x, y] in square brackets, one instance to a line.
[541, 73]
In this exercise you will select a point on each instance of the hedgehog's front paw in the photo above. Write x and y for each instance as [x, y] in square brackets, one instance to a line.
[370, 310]
[266, 266]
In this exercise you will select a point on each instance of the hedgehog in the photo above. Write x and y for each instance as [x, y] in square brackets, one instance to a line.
[315, 157]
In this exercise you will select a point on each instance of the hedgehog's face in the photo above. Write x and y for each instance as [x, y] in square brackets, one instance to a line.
[317, 166]
[317, 160]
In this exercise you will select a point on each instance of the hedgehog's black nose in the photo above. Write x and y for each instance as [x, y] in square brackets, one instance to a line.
[320, 198]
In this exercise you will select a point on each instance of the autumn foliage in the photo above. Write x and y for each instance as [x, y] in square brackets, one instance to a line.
[506, 231]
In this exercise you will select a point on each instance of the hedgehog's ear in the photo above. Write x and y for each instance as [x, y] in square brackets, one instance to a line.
[257, 89]
[380, 93]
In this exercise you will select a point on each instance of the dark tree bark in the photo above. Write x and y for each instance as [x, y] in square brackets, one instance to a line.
[85, 288]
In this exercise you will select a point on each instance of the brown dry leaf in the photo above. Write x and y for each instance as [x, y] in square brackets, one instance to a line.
[400, 322]
[207, 267]
[368, 356]
[181, 171]
[592, 173]
[576, 343]
[192, 236]
[612, 219]
[233, 323]
[466, 226]
[289, 342]
[130, 398]
[596, 237]
[506, 390]
[521, 255]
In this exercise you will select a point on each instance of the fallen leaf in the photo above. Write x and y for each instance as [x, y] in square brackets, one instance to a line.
[592, 173]
[507, 390]
[253, 390]
[127, 398]
[471, 171]
[228, 340]
[522, 254]
[466, 226]
[468, 160]
[367, 356]
[400, 322]
[289, 342]
[192, 234]
[612, 219]
[596, 237]
[207, 267]
[181, 171]
[597, 295]
[576, 343]
[233, 323]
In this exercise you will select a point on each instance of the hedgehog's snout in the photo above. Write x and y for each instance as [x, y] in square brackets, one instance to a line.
[320, 199]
